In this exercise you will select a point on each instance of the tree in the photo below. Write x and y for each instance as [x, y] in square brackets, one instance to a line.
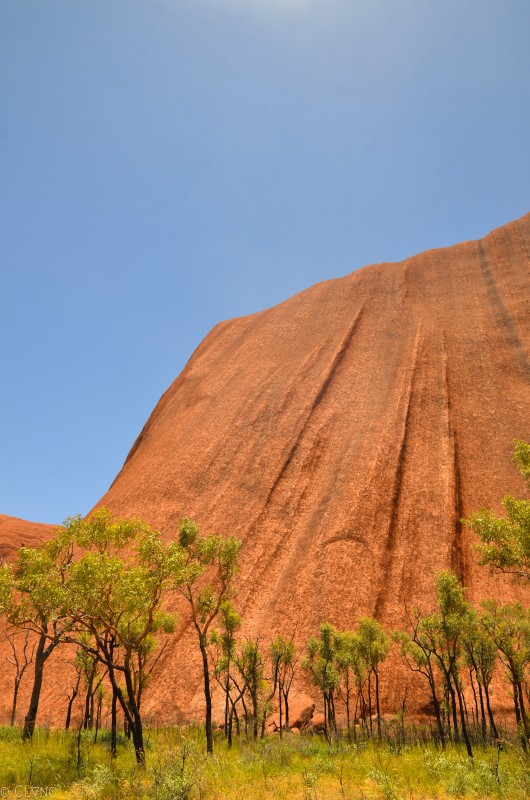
[73, 690]
[93, 678]
[352, 671]
[224, 645]
[20, 661]
[374, 646]
[444, 632]
[32, 595]
[321, 663]
[505, 541]
[249, 662]
[418, 652]
[480, 654]
[283, 660]
[509, 629]
[205, 578]
[114, 600]
[436, 643]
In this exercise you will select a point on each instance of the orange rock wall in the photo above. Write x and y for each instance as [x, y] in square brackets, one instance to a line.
[342, 435]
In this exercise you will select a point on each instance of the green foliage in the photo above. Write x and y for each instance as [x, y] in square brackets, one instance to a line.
[372, 643]
[351, 664]
[282, 652]
[176, 779]
[6, 587]
[480, 651]
[224, 641]
[444, 629]
[34, 591]
[505, 541]
[265, 769]
[415, 648]
[249, 663]
[116, 588]
[508, 627]
[521, 458]
[321, 659]
[207, 566]
[188, 532]
[101, 531]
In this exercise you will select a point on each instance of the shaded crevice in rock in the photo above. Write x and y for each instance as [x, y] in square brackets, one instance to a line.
[503, 317]
[389, 544]
[458, 557]
[456, 512]
[324, 387]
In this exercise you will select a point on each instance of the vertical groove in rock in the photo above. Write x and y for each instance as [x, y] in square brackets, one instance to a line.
[458, 560]
[388, 552]
[457, 553]
[503, 317]
[319, 396]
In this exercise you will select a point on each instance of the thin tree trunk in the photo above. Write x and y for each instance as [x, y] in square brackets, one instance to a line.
[333, 722]
[130, 710]
[370, 701]
[377, 704]
[254, 696]
[87, 720]
[229, 727]
[245, 713]
[113, 725]
[363, 712]
[326, 717]
[518, 716]
[447, 710]
[227, 701]
[15, 698]
[452, 695]
[463, 723]
[356, 707]
[286, 707]
[137, 729]
[98, 716]
[493, 727]
[71, 703]
[482, 712]
[436, 702]
[403, 705]
[523, 710]
[466, 712]
[207, 697]
[233, 714]
[40, 659]
[475, 721]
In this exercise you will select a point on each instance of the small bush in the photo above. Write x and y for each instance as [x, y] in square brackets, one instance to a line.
[177, 777]
[9, 734]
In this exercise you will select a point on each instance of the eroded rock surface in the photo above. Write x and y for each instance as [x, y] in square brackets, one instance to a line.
[342, 435]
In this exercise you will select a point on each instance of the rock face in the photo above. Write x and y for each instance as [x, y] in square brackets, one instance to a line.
[15, 533]
[342, 435]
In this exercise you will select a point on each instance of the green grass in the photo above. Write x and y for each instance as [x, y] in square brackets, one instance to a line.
[298, 768]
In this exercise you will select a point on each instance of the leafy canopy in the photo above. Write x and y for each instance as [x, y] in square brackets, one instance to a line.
[505, 541]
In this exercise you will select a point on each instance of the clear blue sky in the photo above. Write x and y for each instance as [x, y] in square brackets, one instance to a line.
[166, 164]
